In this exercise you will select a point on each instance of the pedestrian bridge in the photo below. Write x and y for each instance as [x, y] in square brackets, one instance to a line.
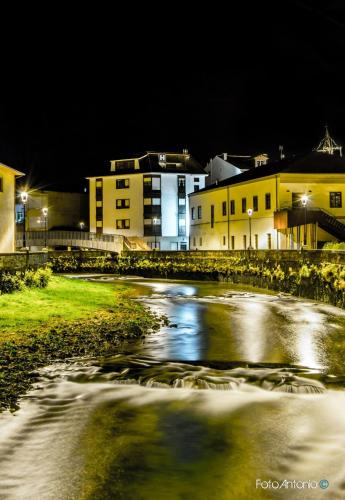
[105, 242]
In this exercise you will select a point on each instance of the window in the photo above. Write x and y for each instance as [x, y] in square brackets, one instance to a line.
[255, 204]
[232, 242]
[194, 241]
[152, 183]
[20, 216]
[232, 207]
[99, 189]
[122, 183]
[199, 212]
[182, 201]
[269, 241]
[224, 240]
[268, 201]
[181, 182]
[124, 165]
[193, 214]
[183, 246]
[99, 213]
[244, 205]
[256, 241]
[335, 200]
[212, 215]
[122, 204]
[244, 241]
[122, 224]
[224, 208]
[1, 185]
[196, 187]
[200, 242]
[196, 179]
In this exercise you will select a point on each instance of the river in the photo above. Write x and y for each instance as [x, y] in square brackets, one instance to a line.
[241, 392]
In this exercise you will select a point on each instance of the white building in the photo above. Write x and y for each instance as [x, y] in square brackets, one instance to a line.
[227, 165]
[145, 199]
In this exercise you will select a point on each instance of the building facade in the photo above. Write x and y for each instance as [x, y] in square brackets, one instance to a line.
[226, 165]
[286, 205]
[145, 199]
[65, 210]
[7, 207]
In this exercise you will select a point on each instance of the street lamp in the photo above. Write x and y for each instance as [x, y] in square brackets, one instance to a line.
[304, 201]
[24, 198]
[155, 221]
[250, 213]
[45, 215]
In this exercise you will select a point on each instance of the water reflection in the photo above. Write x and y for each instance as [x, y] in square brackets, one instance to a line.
[183, 339]
[217, 321]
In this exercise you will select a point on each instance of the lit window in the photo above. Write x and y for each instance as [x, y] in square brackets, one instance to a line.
[122, 183]
[335, 200]
[122, 224]
[122, 204]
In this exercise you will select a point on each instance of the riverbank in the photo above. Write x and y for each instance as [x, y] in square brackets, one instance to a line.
[323, 281]
[34, 330]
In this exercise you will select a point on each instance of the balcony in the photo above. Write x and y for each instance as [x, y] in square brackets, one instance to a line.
[293, 217]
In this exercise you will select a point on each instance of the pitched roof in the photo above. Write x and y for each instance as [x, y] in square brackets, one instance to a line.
[149, 162]
[17, 173]
[311, 163]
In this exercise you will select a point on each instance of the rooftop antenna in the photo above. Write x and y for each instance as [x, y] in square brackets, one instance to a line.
[328, 145]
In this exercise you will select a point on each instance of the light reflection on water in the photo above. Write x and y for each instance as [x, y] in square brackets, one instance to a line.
[119, 428]
[214, 322]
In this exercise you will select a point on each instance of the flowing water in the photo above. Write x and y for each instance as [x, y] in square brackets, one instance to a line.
[241, 387]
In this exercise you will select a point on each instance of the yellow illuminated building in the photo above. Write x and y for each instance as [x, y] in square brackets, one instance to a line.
[288, 204]
[7, 207]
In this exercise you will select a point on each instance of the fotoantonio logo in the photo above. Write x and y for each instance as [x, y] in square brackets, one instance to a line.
[292, 484]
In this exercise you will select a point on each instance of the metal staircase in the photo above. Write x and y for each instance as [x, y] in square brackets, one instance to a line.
[326, 221]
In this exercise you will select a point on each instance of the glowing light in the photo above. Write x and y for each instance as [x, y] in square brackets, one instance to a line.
[304, 200]
[24, 196]
[250, 212]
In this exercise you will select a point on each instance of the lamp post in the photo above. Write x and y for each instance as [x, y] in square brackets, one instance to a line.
[24, 199]
[45, 215]
[304, 201]
[250, 213]
[155, 220]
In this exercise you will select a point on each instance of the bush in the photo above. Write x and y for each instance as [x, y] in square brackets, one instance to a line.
[13, 282]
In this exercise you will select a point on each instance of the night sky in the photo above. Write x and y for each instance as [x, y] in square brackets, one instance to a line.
[100, 86]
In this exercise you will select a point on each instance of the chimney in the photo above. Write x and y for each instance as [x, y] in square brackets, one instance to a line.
[225, 156]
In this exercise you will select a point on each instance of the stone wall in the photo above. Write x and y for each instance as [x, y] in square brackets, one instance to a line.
[285, 258]
[22, 260]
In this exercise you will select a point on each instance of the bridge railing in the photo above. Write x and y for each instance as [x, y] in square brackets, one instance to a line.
[111, 242]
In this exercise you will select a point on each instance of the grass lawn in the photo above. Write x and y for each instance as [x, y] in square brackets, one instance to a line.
[64, 298]
[69, 318]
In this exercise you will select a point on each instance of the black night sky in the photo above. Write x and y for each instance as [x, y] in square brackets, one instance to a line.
[89, 88]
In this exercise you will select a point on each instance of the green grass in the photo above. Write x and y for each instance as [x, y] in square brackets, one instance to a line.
[64, 298]
[70, 318]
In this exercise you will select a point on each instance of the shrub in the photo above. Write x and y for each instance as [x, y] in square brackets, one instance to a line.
[12, 282]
